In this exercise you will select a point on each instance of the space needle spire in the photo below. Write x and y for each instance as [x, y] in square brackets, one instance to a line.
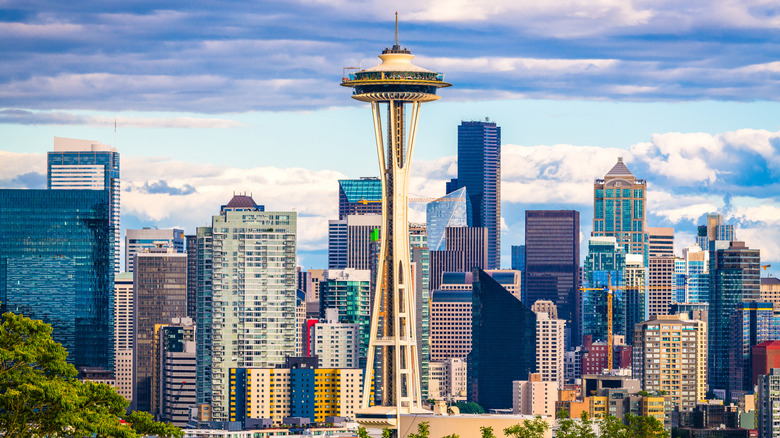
[393, 88]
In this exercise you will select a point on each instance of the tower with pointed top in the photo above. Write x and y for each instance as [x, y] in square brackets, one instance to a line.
[619, 209]
[393, 88]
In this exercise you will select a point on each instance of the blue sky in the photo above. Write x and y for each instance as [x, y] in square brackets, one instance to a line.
[216, 97]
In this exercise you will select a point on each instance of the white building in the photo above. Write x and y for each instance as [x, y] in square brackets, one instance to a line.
[550, 347]
[123, 334]
[447, 379]
[335, 344]
[534, 397]
[768, 404]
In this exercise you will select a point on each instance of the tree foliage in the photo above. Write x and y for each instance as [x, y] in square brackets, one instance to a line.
[575, 428]
[469, 408]
[487, 432]
[40, 395]
[423, 430]
[528, 429]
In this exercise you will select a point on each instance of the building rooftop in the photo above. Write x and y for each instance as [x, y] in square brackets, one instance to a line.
[770, 281]
[619, 170]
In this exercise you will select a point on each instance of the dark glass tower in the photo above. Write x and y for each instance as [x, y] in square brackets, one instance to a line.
[734, 279]
[503, 333]
[552, 263]
[479, 171]
[57, 265]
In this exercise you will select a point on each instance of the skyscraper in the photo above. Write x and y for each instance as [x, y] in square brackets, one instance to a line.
[160, 294]
[360, 196]
[552, 263]
[452, 210]
[124, 334]
[251, 312]
[346, 292]
[661, 269]
[734, 278]
[466, 249]
[503, 343]
[751, 324]
[349, 241]
[56, 265]
[138, 240]
[619, 209]
[670, 354]
[479, 171]
[87, 165]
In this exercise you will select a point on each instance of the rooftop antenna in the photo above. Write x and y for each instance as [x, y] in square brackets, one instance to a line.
[396, 29]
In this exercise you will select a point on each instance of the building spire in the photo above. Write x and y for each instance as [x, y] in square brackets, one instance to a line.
[396, 29]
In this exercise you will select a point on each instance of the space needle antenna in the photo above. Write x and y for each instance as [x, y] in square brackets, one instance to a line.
[396, 28]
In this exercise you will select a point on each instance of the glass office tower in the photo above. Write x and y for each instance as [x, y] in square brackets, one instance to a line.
[451, 210]
[56, 265]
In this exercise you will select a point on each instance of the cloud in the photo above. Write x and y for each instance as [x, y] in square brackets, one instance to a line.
[162, 187]
[24, 117]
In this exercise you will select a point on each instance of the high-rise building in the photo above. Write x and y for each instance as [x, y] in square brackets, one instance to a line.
[534, 396]
[714, 230]
[670, 354]
[692, 275]
[204, 321]
[159, 295]
[173, 380]
[661, 269]
[479, 171]
[552, 263]
[550, 345]
[751, 324]
[518, 257]
[734, 278]
[765, 356]
[450, 324]
[57, 265]
[770, 291]
[768, 404]
[124, 336]
[452, 210]
[87, 165]
[503, 343]
[607, 264]
[336, 344]
[192, 276]
[252, 311]
[420, 257]
[346, 292]
[349, 241]
[619, 209]
[466, 248]
[136, 241]
[360, 196]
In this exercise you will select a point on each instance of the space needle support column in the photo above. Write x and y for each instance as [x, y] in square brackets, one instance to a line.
[396, 82]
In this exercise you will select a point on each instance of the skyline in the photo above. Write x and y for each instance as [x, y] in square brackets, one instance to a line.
[205, 105]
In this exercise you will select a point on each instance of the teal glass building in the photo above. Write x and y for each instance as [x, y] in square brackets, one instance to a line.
[360, 196]
[57, 265]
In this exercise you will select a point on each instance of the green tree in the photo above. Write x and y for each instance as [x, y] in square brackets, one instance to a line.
[362, 432]
[387, 433]
[572, 428]
[613, 427]
[452, 435]
[528, 429]
[423, 430]
[40, 395]
[645, 427]
[470, 408]
[487, 432]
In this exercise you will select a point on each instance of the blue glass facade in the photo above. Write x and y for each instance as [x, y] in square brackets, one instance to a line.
[605, 264]
[360, 196]
[56, 265]
[452, 210]
[734, 279]
[751, 324]
[479, 171]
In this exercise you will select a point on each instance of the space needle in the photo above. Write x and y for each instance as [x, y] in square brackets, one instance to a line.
[393, 88]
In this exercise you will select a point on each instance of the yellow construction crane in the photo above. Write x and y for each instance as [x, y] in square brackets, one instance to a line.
[610, 335]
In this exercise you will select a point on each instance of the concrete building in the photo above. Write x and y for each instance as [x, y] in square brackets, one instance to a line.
[448, 380]
[534, 396]
[124, 336]
[138, 241]
[692, 276]
[466, 248]
[550, 346]
[670, 354]
[336, 344]
[661, 268]
[250, 318]
[300, 391]
[751, 324]
[349, 241]
[87, 165]
[594, 358]
[450, 324]
[768, 404]
[159, 295]
[174, 380]
[765, 356]
[770, 291]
